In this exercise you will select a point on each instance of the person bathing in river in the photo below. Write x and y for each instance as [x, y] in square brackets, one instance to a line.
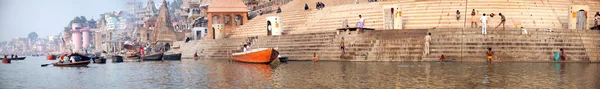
[315, 58]
[490, 53]
[563, 55]
[442, 58]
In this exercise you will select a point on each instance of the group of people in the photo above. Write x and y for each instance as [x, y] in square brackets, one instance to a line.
[320, 5]
[490, 53]
[484, 19]
[73, 57]
[11, 56]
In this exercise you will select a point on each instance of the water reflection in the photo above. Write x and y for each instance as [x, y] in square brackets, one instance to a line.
[205, 73]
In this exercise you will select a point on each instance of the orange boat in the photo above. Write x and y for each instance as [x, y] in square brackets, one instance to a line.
[51, 57]
[6, 60]
[261, 55]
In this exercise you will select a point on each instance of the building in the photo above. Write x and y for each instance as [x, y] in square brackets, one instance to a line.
[229, 13]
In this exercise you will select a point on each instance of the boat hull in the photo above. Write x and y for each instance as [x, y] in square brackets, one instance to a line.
[172, 57]
[153, 57]
[6, 61]
[82, 63]
[19, 58]
[264, 55]
[99, 60]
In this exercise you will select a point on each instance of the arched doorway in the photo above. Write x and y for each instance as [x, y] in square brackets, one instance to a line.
[581, 20]
[269, 28]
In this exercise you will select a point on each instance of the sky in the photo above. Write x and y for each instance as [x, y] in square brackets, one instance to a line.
[18, 18]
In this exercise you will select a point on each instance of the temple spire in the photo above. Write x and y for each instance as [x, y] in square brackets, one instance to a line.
[163, 16]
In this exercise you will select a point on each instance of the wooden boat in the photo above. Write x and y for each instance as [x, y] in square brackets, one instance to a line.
[19, 58]
[153, 57]
[51, 57]
[81, 63]
[172, 56]
[261, 55]
[99, 60]
[283, 59]
[6, 61]
[117, 58]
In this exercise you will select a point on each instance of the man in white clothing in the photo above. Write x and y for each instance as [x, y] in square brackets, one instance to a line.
[427, 40]
[483, 20]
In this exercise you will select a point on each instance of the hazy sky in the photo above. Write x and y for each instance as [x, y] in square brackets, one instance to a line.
[49, 17]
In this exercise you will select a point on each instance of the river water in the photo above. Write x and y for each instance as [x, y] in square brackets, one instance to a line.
[205, 73]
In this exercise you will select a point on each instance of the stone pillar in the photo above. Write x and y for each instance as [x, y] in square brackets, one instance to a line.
[76, 40]
[85, 34]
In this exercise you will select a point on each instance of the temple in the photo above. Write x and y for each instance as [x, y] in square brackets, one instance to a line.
[163, 31]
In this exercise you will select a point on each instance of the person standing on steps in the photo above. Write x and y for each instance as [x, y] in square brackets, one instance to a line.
[483, 20]
[361, 24]
[342, 46]
[457, 15]
[503, 19]
[427, 40]
[473, 19]
[306, 6]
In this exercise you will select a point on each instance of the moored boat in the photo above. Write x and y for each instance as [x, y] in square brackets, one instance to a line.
[99, 60]
[261, 55]
[172, 56]
[153, 57]
[283, 59]
[81, 63]
[18, 58]
[6, 60]
[117, 58]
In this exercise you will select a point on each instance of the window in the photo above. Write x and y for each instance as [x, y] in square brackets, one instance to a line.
[227, 19]
[215, 19]
[238, 20]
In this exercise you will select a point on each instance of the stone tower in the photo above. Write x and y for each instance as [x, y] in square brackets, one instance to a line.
[163, 31]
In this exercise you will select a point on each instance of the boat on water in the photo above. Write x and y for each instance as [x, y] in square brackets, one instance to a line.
[260, 55]
[172, 56]
[153, 57]
[81, 63]
[99, 59]
[18, 58]
[6, 60]
[125, 59]
[51, 57]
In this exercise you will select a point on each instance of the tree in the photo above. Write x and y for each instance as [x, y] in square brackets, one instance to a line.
[32, 36]
[82, 19]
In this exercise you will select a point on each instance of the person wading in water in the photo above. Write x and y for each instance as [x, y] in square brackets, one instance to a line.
[490, 53]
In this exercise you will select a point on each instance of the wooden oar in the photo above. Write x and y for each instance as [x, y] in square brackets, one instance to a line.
[44, 65]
